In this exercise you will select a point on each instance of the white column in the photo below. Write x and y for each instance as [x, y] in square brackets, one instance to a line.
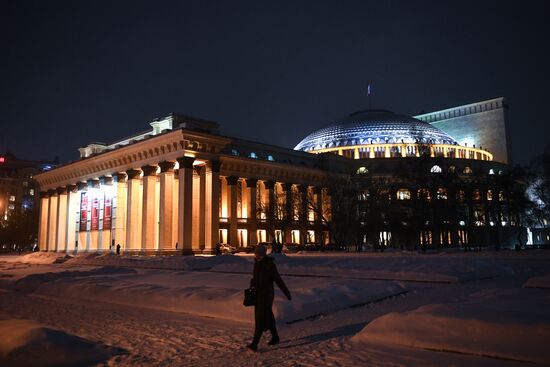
[271, 208]
[72, 206]
[61, 232]
[251, 193]
[148, 212]
[166, 242]
[133, 232]
[121, 210]
[185, 204]
[201, 207]
[43, 223]
[211, 212]
[232, 206]
[52, 220]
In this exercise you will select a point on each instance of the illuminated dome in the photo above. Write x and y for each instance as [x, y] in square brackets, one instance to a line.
[374, 127]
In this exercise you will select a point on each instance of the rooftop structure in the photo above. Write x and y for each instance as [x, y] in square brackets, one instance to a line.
[384, 134]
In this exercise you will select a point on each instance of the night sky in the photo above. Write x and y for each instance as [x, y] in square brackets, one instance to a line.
[73, 72]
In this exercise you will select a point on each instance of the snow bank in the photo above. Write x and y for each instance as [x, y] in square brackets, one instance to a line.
[538, 282]
[37, 258]
[160, 262]
[406, 267]
[205, 293]
[28, 343]
[30, 282]
[491, 323]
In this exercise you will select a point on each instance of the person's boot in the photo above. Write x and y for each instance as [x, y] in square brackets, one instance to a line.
[274, 340]
[254, 345]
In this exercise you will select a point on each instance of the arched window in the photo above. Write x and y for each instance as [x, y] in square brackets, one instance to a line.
[467, 170]
[452, 169]
[234, 152]
[436, 169]
[491, 171]
[252, 155]
[441, 194]
[270, 158]
[362, 171]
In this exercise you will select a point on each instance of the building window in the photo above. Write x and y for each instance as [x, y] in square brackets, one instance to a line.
[491, 171]
[435, 169]
[460, 196]
[25, 183]
[476, 195]
[362, 171]
[253, 155]
[11, 207]
[467, 170]
[424, 194]
[270, 158]
[489, 195]
[234, 152]
[403, 194]
[12, 198]
[31, 192]
[441, 194]
[384, 194]
[452, 169]
[501, 196]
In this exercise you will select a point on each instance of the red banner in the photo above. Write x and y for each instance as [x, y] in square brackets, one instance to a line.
[83, 212]
[107, 213]
[95, 215]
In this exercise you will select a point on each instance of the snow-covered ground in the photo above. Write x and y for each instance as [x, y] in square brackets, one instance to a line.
[399, 309]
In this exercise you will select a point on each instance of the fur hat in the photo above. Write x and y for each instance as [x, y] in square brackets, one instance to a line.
[260, 250]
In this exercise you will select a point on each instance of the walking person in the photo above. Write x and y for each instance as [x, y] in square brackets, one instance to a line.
[264, 274]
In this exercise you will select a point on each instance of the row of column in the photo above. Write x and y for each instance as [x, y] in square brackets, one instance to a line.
[158, 210]
[294, 211]
[147, 219]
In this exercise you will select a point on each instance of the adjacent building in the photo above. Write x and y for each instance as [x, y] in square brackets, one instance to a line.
[19, 193]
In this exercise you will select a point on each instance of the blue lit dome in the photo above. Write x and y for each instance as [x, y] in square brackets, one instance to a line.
[374, 127]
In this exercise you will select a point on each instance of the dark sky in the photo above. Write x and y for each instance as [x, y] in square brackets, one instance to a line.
[73, 72]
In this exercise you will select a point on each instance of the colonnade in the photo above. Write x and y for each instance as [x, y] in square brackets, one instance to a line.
[182, 205]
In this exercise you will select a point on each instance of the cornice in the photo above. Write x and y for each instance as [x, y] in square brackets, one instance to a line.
[167, 146]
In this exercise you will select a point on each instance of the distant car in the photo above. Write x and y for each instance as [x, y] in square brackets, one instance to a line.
[227, 249]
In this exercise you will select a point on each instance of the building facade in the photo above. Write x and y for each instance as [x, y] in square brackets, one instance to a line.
[19, 197]
[182, 187]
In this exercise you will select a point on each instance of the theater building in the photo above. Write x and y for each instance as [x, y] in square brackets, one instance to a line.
[182, 187]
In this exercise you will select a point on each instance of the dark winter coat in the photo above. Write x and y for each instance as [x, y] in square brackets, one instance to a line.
[265, 273]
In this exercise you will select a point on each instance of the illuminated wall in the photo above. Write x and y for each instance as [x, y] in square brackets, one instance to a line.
[480, 124]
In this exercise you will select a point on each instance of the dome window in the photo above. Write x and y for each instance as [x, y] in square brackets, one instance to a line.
[253, 155]
[467, 170]
[436, 169]
[452, 169]
[362, 171]
[235, 152]
[491, 171]
[270, 158]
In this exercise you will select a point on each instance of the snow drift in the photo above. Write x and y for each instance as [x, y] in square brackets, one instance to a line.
[488, 324]
[28, 343]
